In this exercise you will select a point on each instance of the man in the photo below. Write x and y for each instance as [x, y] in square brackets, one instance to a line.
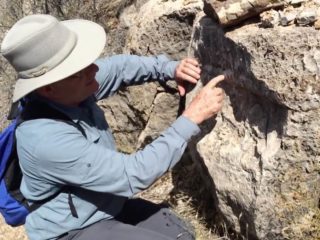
[56, 65]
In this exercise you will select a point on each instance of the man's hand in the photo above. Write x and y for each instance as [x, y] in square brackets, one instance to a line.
[188, 70]
[207, 103]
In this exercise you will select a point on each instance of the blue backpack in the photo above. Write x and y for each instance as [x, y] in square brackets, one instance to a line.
[11, 200]
[13, 206]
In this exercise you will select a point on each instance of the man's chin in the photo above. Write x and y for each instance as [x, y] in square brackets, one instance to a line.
[94, 86]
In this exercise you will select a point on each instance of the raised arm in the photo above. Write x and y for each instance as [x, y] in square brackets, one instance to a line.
[120, 70]
[83, 163]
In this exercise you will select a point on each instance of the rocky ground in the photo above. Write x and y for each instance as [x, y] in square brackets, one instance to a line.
[8, 233]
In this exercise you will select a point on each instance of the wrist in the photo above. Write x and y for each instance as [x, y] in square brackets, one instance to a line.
[192, 117]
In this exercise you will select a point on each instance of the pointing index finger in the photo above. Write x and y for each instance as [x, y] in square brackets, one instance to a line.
[213, 82]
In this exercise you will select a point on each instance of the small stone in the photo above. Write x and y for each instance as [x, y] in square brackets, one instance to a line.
[296, 2]
[269, 19]
[235, 9]
[231, 17]
[317, 24]
[306, 17]
[287, 18]
[291, 16]
[222, 15]
[284, 21]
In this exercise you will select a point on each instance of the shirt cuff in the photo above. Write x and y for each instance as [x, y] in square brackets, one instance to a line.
[185, 128]
[170, 69]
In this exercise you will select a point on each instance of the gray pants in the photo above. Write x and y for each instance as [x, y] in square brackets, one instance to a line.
[139, 220]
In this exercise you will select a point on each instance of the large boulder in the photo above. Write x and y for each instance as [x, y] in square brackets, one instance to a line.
[261, 155]
[139, 114]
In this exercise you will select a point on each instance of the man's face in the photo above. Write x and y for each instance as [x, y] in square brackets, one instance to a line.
[76, 88]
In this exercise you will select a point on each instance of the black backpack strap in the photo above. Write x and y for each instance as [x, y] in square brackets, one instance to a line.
[36, 110]
[35, 205]
[67, 189]
[14, 110]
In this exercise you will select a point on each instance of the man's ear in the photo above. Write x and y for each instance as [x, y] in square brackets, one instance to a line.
[46, 91]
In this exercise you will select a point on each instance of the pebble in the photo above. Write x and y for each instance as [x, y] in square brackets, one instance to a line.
[270, 19]
[317, 24]
[296, 2]
[287, 18]
[306, 17]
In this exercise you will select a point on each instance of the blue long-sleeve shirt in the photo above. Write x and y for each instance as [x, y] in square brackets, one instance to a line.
[53, 153]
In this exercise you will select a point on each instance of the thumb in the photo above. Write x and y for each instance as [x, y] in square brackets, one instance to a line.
[214, 81]
[182, 90]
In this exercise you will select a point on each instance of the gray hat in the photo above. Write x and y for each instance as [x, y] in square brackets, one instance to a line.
[43, 50]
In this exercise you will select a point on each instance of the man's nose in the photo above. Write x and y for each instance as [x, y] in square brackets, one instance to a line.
[94, 68]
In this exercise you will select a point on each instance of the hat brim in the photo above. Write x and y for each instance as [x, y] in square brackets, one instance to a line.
[91, 39]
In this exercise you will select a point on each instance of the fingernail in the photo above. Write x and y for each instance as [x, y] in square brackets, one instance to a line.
[228, 74]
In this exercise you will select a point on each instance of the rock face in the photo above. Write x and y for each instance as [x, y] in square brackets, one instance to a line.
[263, 153]
[139, 113]
[155, 27]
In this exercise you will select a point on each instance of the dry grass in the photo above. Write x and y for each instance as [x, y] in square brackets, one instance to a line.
[307, 228]
[184, 191]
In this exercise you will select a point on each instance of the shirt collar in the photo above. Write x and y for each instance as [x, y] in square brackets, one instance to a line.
[73, 113]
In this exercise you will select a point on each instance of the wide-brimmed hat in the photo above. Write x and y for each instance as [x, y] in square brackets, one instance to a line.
[44, 50]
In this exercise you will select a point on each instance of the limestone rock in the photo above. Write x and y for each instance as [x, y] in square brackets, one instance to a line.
[270, 19]
[163, 27]
[287, 18]
[296, 2]
[317, 24]
[163, 113]
[238, 11]
[306, 17]
[263, 151]
[128, 112]
[158, 27]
